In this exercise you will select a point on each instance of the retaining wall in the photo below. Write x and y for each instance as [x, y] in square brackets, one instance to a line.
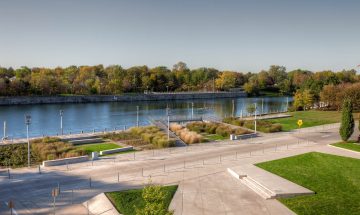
[112, 151]
[65, 161]
[24, 100]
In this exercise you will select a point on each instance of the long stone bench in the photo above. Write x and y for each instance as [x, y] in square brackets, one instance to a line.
[242, 137]
[112, 151]
[86, 141]
[65, 161]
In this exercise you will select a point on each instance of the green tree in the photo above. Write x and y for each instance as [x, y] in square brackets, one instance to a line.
[347, 121]
[154, 201]
[226, 80]
[251, 109]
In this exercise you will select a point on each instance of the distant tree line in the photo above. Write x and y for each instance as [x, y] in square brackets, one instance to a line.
[88, 80]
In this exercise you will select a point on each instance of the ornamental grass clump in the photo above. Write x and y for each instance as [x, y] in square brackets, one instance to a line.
[189, 137]
[152, 135]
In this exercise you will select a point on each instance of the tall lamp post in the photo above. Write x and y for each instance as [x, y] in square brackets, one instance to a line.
[61, 122]
[27, 123]
[255, 117]
[137, 116]
[168, 123]
[192, 110]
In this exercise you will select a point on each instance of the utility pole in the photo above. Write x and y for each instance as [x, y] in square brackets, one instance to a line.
[27, 123]
[61, 122]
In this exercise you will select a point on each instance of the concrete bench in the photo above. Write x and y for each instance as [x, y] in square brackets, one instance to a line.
[112, 151]
[242, 137]
[65, 161]
[86, 141]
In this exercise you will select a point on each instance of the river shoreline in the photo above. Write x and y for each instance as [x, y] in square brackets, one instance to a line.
[28, 100]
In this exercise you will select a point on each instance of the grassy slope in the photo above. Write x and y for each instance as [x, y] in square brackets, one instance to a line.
[348, 145]
[126, 201]
[309, 118]
[97, 147]
[335, 179]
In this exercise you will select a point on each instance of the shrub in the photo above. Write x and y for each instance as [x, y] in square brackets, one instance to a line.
[261, 125]
[152, 135]
[347, 121]
[41, 149]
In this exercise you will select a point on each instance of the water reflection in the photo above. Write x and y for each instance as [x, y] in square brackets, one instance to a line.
[86, 117]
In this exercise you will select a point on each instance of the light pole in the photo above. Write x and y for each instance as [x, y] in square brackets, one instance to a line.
[287, 104]
[27, 123]
[233, 108]
[4, 131]
[255, 118]
[61, 122]
[167, 89]
[168, 123]
[137, 116]
[262, 106]
[192, 110]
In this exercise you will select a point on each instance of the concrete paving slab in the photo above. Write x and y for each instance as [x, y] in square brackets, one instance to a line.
[279, 186]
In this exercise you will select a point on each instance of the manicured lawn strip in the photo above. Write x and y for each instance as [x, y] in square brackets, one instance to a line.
[351, 145]
[335, 179]
[309, 118]
[97, 147]
[126, 201]
[214, 137]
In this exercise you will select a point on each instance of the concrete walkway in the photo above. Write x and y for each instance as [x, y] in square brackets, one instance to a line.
[205, 187]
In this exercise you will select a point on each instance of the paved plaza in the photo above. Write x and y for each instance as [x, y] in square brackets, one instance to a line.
[205, 186]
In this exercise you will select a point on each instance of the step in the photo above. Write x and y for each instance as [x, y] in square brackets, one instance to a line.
[258, 188]
[267, 184]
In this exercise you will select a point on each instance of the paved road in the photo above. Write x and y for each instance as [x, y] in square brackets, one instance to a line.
[185, 165]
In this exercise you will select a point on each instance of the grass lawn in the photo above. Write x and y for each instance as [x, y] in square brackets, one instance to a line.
[352, 145]
[126, 201]
[309, 118]
[97, 147]
[214, 137]
[335, 179]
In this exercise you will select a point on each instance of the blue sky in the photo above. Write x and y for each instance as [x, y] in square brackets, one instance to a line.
[241, 35]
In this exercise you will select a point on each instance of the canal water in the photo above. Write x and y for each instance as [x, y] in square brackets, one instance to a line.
[45, 118]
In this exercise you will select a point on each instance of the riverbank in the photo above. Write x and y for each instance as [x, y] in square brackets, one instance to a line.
[26, 100]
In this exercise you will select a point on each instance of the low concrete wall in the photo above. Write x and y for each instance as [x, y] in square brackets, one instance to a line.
[23, 100]
[86, 141]
[112, 151]
[65, 161]
[242, 137]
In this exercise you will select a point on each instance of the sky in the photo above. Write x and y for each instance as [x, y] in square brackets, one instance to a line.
[239, 35]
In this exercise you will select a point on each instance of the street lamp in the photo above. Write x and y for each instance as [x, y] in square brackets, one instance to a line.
[192, 110]
[61, 122]
[27, 123]
[167, 89]
[255, 117]
[168, 122]
[137, 116]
